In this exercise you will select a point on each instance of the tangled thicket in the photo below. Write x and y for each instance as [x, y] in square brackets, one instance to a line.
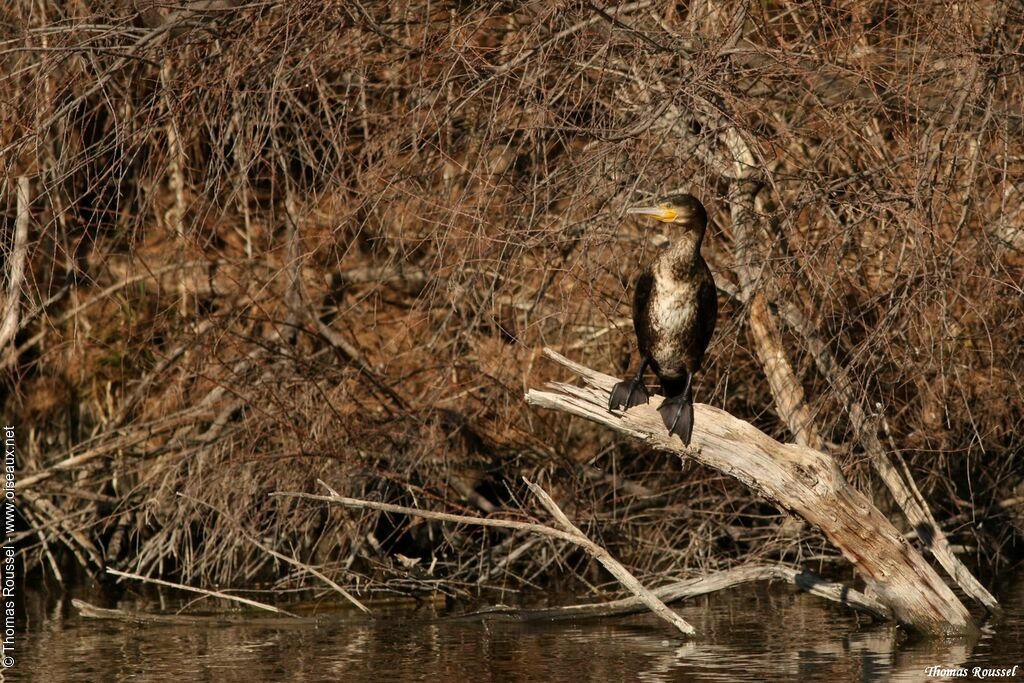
[274, 241]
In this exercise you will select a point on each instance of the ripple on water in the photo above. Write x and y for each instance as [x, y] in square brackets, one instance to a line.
[754, 633]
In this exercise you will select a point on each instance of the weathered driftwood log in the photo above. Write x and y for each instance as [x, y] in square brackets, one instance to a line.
[799, 479]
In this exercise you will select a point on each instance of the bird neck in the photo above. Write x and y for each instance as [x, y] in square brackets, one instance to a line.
[681, 258]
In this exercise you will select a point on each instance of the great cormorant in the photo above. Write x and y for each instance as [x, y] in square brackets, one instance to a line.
[675, 306]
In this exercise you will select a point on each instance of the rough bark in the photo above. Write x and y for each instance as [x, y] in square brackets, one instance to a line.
[799, 479]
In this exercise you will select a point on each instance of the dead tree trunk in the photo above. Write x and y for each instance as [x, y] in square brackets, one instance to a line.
[799, 479]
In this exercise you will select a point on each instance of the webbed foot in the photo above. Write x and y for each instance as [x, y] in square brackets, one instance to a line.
[677, 414]
[628, 393]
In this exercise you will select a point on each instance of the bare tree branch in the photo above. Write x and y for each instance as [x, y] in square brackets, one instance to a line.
[796, 478]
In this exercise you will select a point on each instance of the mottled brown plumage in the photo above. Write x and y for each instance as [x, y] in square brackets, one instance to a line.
[675, 308]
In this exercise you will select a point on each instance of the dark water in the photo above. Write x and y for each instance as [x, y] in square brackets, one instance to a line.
[747, 634]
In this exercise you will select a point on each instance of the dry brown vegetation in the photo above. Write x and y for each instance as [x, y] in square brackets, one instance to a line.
[270, 242]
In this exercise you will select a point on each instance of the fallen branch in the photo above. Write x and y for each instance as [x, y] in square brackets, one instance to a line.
[611, 564]
[90, 611]
[794, 477]
[571, 534]
[201, 591]
[684, 590]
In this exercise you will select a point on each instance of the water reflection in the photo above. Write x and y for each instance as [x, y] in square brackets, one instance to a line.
[763, 633]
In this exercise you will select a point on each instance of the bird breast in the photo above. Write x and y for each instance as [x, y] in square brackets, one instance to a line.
[673, 314]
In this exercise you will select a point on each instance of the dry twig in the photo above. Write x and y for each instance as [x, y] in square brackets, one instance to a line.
[570, 533]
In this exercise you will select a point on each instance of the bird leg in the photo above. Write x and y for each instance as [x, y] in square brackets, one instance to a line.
[677, 410]
[630, 392]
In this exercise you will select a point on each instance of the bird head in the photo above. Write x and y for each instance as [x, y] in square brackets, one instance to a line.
[681, 209]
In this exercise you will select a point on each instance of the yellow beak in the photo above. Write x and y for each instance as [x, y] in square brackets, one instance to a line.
[661, 213]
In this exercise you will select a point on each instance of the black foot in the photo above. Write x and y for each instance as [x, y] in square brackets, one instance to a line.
[628, 393]
[677, 414]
